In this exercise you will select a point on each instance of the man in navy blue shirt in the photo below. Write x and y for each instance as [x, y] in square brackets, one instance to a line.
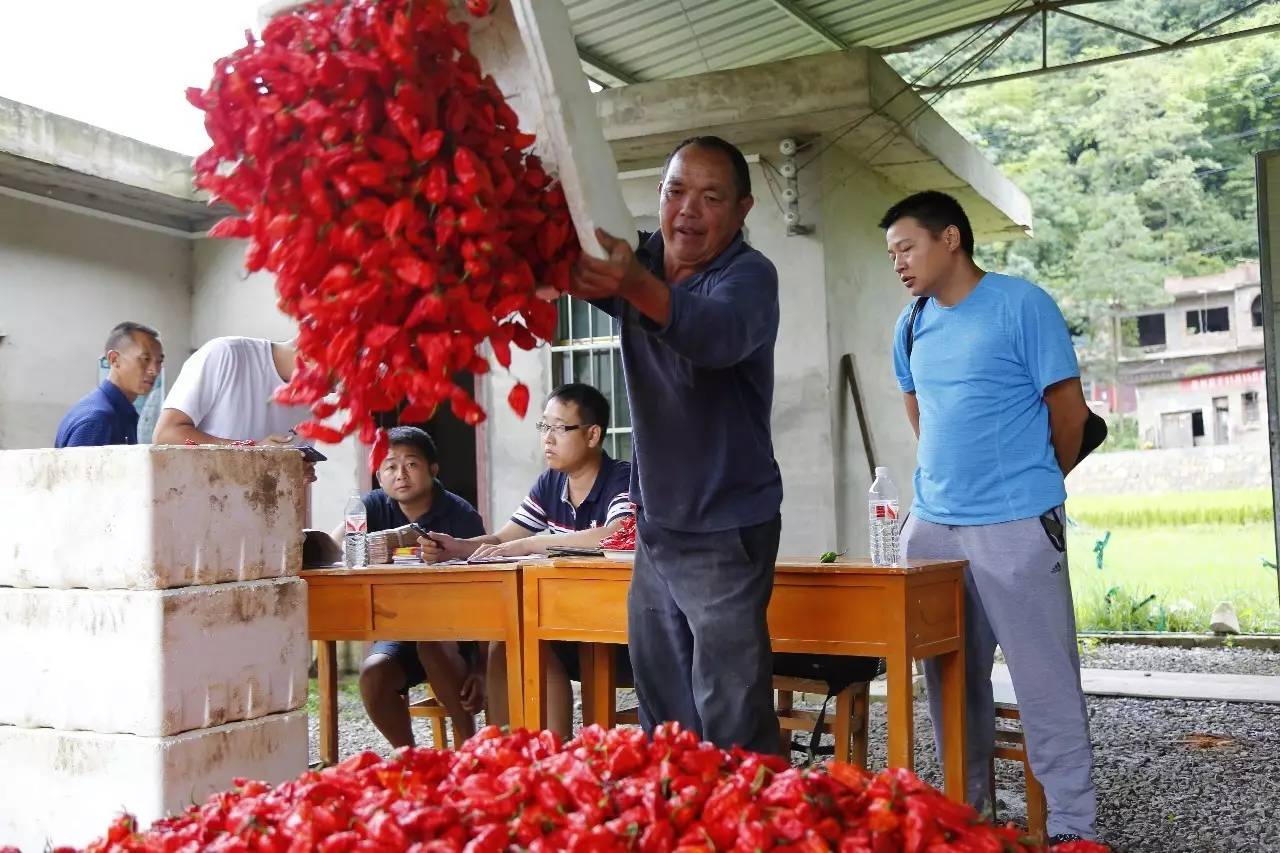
[410, 492]
[106, 415]
[699, 317]
[992, 390]
[581, 498]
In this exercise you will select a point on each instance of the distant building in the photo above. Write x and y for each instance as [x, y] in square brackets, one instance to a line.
[1197, 365]
[1106, 397]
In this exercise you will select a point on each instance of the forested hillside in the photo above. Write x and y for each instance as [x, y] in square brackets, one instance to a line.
[1136, 170]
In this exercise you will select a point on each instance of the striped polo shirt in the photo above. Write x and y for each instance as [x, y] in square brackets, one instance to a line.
[547, 509]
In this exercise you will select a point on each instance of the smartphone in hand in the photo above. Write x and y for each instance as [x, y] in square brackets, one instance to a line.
[310, 454]
[421, 531]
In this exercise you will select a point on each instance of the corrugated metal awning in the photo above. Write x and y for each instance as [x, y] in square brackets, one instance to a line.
[630, 41]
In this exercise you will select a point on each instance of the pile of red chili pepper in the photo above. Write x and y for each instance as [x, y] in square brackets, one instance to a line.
[622, 539]
[380, 174]
[604, 791]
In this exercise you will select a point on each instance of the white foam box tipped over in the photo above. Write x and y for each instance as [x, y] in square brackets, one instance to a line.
[150, 517]
[583, 159]
[153, 662]
[65, 788]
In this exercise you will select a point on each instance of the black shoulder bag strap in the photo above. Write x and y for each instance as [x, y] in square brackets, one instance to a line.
[911, 322]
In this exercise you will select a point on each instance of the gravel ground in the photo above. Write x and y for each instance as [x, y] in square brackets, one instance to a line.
[1161, 659]
[1172, 775]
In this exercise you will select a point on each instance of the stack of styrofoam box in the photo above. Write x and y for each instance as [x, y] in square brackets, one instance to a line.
[153, 632]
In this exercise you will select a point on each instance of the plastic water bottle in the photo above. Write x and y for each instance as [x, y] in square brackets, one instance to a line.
[356, 541]
[882, 517]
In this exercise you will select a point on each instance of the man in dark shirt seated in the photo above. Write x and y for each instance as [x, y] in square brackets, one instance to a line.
[410, 492]
[581, 498]
[106, 415]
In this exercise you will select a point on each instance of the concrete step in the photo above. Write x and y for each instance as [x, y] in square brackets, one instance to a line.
[1211, 687]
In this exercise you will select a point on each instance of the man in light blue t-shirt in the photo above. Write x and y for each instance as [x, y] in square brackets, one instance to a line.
[992, 389]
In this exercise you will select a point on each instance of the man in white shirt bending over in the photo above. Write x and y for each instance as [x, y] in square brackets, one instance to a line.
[225, 394]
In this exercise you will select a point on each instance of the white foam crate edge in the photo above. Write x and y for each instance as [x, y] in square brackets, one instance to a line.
[65, 788]
[150, 517]
[153, 662]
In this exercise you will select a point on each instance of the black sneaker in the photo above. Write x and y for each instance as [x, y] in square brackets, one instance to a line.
[1064, 838]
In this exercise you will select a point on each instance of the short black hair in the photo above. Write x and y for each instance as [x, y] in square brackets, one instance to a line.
[417, 438]
[593, 408]
[936, 211]
[124, 332]
[741, 171]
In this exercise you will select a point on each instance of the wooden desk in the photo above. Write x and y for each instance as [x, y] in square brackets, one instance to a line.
[410, 603]
[843, 608]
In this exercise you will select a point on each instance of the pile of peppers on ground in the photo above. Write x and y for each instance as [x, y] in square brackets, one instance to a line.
[382, 177]
[610, 790]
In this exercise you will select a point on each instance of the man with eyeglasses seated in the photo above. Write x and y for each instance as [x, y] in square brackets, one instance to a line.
[581, 498]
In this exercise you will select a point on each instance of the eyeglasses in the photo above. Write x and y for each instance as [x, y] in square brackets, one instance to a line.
[558, 430]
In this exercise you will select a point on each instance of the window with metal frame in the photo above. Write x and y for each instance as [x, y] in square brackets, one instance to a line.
[1151, 330]
[1206, 320]
[1252, 410]
[587, 348]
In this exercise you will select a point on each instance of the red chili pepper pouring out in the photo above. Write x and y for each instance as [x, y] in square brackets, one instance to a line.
[381, 176]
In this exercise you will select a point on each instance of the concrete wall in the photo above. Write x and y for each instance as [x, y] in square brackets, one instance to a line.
[225, 300]
[802, 440]
[805, 387]
[1192, 469]
[509, 451]
[864, 299]
[67, 277]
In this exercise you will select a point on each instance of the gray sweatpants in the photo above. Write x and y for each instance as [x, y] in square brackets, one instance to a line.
[1018, 595]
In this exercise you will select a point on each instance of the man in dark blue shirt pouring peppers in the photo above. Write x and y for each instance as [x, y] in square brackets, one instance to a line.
[698, 310]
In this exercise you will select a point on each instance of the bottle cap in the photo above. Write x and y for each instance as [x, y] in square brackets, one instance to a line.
[881, 469]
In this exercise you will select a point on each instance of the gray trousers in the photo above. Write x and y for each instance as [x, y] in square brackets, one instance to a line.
[697, 632]
[1018, 596]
